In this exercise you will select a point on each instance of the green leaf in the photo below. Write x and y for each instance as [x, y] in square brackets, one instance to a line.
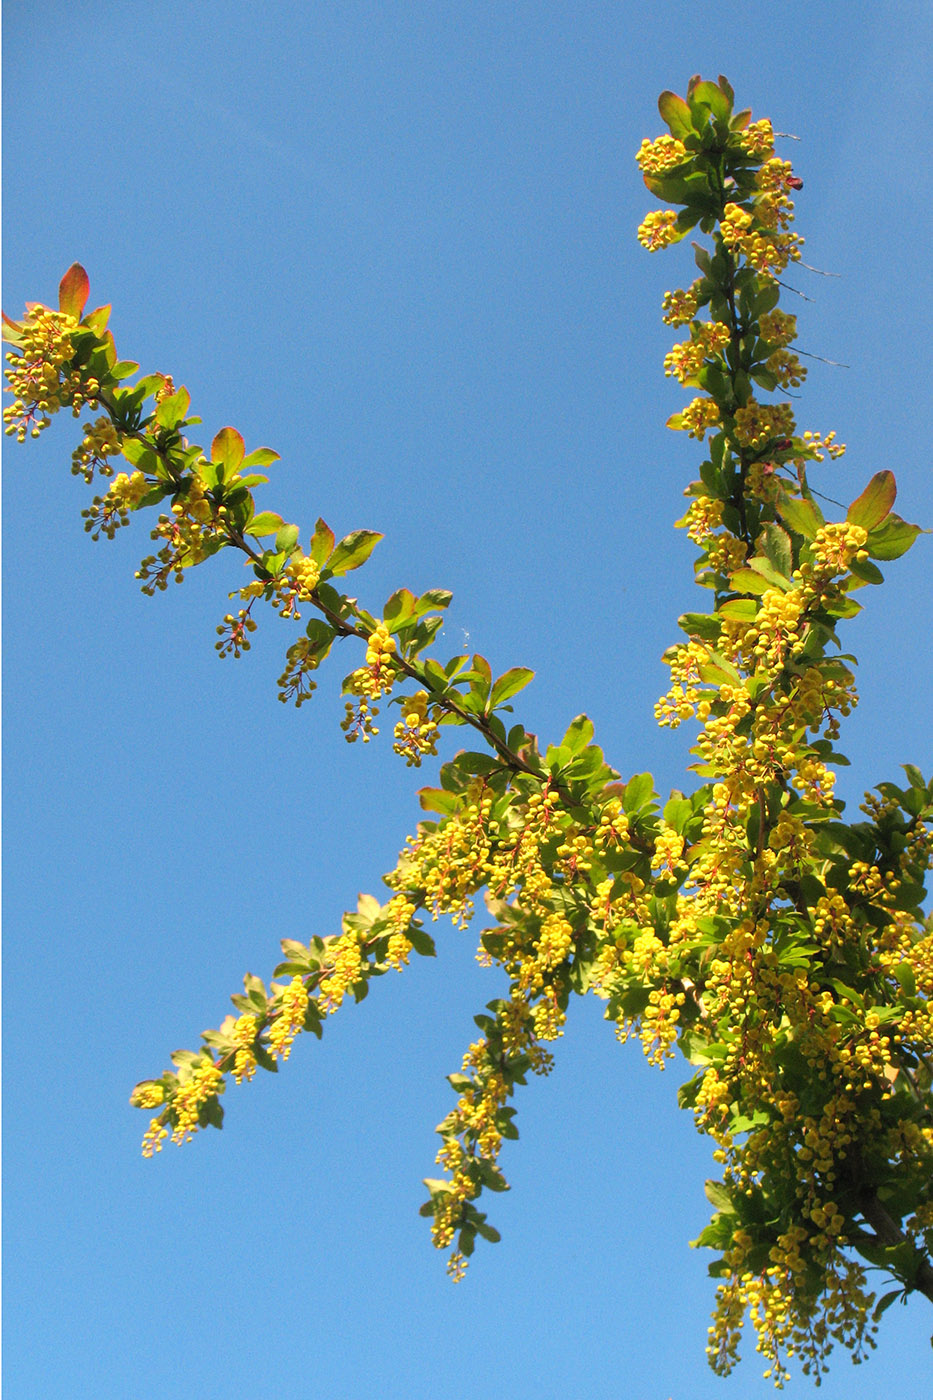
[124, 369]
[892, 538]
[422, 942]
[171, 411]
[399, 609]
[865, 571]
[227, 450]
[579, 733]
[677, 812]
[749, 580]
[352, 551]
[73, 291]
[738, 609]
[286, 538]
[433, 598]
[718, 1196]
[707, 94]
[262, 457]
[803, 516]
[907, 978]
[875, 502]
[639, 790]
[509, 684]
[777, 548]
[886, 1300]
[706, 626]
[675, 112]
[140, 456]
[266, 523]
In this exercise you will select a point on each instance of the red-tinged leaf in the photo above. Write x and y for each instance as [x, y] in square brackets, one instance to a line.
[227, 450]
[892, 538]
[124, 369]
[262, 457]
[12, 330]
[322, 543]
[741, 119]
[875, 502]
[676, 113]
[73, 291]
[96, 320]
[439, 800]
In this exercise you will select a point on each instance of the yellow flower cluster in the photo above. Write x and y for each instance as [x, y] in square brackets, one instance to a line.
[836, 545]
[516, 861]
[660, 156]
[194, 524]
[775, 211]
[234, 633]
[767, 252]
[778, 328]
[398, 949]
[757, 423]
[288, 1018]
[787, 1322]
[148, 1095]
[295, 682]
[685, 360]
[101, 440]
[787, 369]
[818, 445]
[346, 955]
[35, 374]
[205, 1082]
[245, 1030]
[446, 865]
[774, 174]
[679, 307]
[668, 848]
[370, 682]
[758, 138]
[154, 1138]
[416, 732]
[702, 518]
[657, 230]
[106, 514]
[699, 415]
[296, 584]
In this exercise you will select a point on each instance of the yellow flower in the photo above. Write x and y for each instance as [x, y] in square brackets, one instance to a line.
[657, 230]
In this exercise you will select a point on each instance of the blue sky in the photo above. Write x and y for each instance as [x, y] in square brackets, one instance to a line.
[396, 242]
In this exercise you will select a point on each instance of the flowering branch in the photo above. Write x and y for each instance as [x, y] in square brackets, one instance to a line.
[781, 949]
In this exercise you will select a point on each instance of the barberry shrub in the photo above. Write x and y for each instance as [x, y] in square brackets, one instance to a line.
[778, 947]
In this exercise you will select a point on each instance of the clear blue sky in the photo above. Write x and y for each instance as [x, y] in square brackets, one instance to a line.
[395, 241]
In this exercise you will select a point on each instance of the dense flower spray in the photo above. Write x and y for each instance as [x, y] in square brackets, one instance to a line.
[747, 926]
